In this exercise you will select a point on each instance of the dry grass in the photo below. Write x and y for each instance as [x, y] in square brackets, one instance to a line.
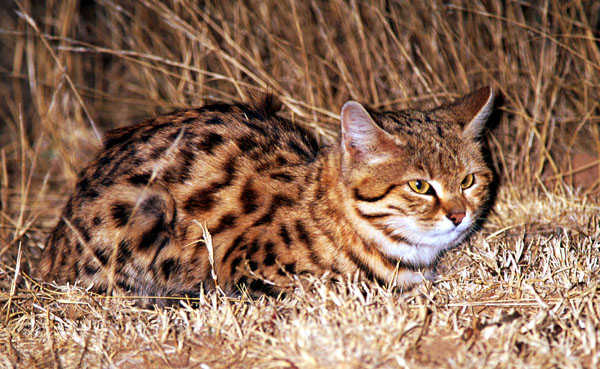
[523, 293]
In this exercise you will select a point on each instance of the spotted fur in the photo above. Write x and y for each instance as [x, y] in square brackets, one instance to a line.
[276, 202]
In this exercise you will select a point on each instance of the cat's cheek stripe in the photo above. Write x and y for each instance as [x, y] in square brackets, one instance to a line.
[369, 272]
[391, 235]
[359, 197]
[372, 215]
[398, 209]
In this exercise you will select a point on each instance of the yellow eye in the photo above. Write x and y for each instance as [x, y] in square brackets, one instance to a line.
[419, 186]
[467, 182]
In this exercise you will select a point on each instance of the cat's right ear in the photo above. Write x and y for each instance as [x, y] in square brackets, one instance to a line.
[470, 111]
[362, 139]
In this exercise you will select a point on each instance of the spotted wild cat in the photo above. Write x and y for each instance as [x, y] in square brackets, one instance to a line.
[398, 189]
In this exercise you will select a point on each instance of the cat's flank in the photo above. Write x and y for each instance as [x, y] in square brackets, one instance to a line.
[398, 189]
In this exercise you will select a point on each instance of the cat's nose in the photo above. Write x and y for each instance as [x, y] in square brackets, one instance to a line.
[456, 216]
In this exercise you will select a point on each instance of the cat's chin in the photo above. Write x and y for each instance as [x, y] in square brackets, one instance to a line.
[424, 249]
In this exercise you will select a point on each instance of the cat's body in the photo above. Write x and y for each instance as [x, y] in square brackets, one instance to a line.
[275, 202]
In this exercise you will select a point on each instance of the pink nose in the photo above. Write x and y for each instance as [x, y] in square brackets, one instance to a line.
[456, 217]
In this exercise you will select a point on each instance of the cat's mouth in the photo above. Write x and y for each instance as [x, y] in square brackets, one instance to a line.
[420, 246]
[444, 233]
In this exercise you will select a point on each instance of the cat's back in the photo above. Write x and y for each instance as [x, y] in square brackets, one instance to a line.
[205, 135]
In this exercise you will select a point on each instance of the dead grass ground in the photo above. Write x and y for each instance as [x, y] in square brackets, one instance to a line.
[523, 293]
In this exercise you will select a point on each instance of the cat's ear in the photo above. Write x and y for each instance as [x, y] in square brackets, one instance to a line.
[470, 111]
[362, 139]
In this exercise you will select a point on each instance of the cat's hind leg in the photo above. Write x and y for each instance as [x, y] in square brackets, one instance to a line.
[126, 252]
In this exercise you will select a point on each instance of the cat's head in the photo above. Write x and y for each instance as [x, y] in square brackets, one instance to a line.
[417, 181]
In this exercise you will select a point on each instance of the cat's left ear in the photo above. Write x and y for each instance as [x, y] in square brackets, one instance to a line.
[470, 111]
[362, 139]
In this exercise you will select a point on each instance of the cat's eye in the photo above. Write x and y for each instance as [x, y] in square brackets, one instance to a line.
[467, 181]
[420, 186]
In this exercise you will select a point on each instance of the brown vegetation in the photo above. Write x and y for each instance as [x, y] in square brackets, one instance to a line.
[523, 293]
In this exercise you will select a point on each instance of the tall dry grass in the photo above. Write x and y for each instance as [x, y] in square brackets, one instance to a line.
[523, 293]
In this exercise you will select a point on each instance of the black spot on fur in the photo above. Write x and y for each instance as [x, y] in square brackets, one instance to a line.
[152, 130]
[201, 200]
[290, 268]
[210, 141]
[124, 286]
[81, 229]
[90, 269]
[439, 131]
[269, 246]
[85, 190]
[96, 221]
[141, 179]
[305, 238]
[247, 143]
[277, 202]
[102, 255]
[259, 286]
[254, 246]
[162, 242]
[214, 121]
[285, 236]
[242, 281]
[151, 236]
[308, 148]
[251, 113]
[76, 269]
[158, 151]
[118, 136]
[229, 168]
[303, 234]
[256, 128]
[190, 120]
[364, 268]
[153, 205]
[281, 161]
[298, 149]
[121, 212]
[185, 170]
[173, 135]
[189, 135]
[269, 259]
[238, 240]
[253, 265]
[169, 266]
[249, 198]
[235, 263]
[68, 212]
[285, 177]
[123, 252]
[100, 290]
[226, 222]
[171, 174]
[103, 161]
[126, 155]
